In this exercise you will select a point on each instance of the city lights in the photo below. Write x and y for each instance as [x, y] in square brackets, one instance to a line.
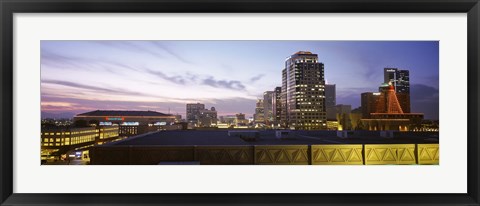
[234, 105]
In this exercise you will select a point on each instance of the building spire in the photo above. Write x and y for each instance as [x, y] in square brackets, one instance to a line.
[393, 106]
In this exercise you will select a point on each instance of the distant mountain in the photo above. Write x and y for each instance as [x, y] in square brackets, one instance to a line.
[67, 115]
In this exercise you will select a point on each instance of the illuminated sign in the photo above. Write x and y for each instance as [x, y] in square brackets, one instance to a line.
[130, 123]
[105, 123]
[115, 118]
[376, 93]
[160, 123]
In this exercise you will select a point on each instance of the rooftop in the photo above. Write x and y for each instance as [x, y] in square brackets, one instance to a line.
[220, 137]
[303, 52]
[122, 113]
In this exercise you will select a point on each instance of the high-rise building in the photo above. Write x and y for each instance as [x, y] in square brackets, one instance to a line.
[400, 79]
[259, 117]
[193, 110]
[330, 101]
[276, 105]
[303, 92]
[268, 107]
[330, 95]
[283, 100]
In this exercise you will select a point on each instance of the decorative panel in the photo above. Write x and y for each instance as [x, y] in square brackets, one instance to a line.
[282, 154]
[337, 154]
[428, 154]
[383, 154]
[224, 155]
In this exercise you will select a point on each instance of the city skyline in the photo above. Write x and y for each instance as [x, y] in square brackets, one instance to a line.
[81, 76]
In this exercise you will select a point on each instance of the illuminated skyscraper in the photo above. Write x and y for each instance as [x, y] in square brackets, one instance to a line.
[400, 80]
[277, 105]
[268, 107]
[303, 92]
[259, 116]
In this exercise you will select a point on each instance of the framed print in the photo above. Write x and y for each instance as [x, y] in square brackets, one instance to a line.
[264, 102]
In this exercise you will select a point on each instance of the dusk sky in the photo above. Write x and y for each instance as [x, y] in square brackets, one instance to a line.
[163, 76]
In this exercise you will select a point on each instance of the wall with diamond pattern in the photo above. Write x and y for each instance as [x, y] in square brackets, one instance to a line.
[385, 154]
[224, 155]
[337, 154]
[282, 154]
[428, 154]
[334, 154]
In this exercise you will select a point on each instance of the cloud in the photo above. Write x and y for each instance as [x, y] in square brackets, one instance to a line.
[59, 95]
[88, 87]
[234, 85]
[256, 78]
[177, 79]
[354, 91]
[230, 106]
[57, 104]
[53, 59]
[130, 46]
[191, 77]
[63, 106]
[49, 58]
[78, 105]
[171, 52]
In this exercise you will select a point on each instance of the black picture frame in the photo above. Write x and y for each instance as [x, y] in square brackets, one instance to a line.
[10, 7]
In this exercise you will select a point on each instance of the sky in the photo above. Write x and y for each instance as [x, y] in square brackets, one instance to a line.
[163, 76]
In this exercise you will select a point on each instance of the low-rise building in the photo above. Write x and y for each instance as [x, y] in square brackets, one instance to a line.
[130, 122]
[59, 143]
